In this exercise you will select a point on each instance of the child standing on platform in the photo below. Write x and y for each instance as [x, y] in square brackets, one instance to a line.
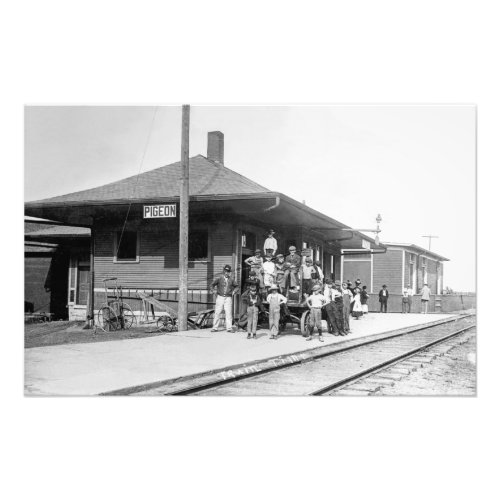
[315, 302]
[253, 303]
[275, 300]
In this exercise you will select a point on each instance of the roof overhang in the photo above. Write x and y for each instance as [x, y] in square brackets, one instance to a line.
[275, 208]
[417, 250]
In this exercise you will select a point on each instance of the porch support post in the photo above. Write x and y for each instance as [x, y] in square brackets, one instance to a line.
[90, 302]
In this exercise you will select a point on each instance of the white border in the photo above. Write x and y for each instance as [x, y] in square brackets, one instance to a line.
[343, 52]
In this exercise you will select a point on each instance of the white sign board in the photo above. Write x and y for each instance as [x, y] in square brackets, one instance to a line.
[159, 211]
[365, 244]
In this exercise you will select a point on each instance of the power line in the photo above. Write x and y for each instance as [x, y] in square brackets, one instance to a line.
[429, 236]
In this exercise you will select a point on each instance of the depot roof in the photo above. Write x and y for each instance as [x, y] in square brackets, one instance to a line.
[212, 187]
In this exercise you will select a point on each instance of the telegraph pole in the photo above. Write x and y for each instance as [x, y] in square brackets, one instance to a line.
[182, 310]
[430, 236]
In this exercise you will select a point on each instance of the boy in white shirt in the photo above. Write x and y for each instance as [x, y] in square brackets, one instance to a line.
[269, 271]
[315, 302]
[407, 295]
[275, 300]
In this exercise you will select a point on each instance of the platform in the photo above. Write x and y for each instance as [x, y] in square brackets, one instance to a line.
[95, 368]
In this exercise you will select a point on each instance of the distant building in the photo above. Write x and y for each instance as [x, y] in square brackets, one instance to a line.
[400, 265]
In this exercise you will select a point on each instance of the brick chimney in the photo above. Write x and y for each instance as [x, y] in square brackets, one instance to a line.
[215, 147]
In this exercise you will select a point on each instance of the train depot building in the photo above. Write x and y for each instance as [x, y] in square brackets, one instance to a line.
[134, 232]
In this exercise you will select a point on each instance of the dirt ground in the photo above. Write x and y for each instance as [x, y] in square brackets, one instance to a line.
[72, 332]
[453, 374]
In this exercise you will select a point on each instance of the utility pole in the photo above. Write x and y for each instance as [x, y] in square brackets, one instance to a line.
[430, 236]
[182, 310]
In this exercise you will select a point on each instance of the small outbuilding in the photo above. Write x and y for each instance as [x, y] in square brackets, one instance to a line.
[400, 265]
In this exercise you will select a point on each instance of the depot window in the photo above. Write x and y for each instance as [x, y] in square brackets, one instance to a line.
[126, 246]
[198, 245]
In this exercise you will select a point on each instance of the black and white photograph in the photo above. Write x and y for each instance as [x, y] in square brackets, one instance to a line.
[250, 250]
[215, 210]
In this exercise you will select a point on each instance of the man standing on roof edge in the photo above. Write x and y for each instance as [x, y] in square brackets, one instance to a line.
[224, 287]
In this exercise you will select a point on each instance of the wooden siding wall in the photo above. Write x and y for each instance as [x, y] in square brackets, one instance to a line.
[159, 258]
[355, 268]
[408, 277]
[387, 270]
[36, 269]
[432, 275]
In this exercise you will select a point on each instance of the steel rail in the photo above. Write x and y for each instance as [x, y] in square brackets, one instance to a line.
[395, 359]
[219, 383]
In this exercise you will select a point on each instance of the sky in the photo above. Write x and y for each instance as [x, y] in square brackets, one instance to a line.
[415, 165]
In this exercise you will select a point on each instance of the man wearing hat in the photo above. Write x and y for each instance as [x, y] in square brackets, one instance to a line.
[338, 309]
[329, 294]
[315, 302]
[275, 300]
[383, 297]
[424, 300]
[270, 245]
[224, 287]
[293, 260]
[280, 268]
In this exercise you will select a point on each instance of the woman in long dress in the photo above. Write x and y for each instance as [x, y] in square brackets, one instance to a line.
[357, 309]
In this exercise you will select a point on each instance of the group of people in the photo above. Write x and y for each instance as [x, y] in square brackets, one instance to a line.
[340, 301]
[269, 268]
[274, 279]
[406, 299]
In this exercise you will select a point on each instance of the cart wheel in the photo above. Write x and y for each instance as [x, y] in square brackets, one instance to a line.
[304, 323]
[243, 321]
[128, 317]
[263, 318]
[107, 319]
[165, 324]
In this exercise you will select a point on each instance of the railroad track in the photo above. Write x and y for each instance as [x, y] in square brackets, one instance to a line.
[324, 375]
